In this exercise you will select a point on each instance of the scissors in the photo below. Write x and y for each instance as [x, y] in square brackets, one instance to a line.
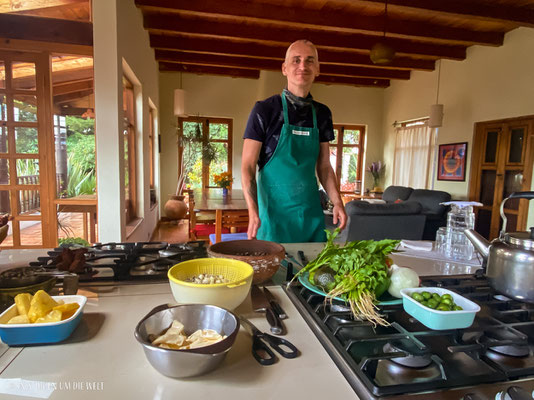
[260, 349]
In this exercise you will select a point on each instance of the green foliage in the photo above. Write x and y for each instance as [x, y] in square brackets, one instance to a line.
[81, 151]
[75, 241]
[80, 180]
[360, 272]
[80, 125]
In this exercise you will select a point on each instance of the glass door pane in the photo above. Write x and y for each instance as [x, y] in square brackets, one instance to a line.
[349, 168]
[192, 154]
[517, 141]
[492, 141]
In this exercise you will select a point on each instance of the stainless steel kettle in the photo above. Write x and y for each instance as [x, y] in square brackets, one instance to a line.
[510, 257]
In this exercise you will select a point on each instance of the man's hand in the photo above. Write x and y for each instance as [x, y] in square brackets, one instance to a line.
[340, 216]
[254, 224]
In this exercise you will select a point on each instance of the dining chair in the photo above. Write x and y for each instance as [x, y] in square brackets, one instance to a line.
[228, 220]
[201, 224]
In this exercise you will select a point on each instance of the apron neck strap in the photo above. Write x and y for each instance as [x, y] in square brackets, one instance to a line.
[286, 116]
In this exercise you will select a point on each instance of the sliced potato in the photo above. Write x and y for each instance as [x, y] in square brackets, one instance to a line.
[40, 305]
[19, 319]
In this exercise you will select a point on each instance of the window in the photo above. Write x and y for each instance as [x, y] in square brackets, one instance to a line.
[346, 156]
[413, 154]
[152, 123]
[205, 149]
[129, 150]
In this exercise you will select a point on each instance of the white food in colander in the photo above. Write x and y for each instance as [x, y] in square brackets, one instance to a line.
[175, 338]
[208, 279]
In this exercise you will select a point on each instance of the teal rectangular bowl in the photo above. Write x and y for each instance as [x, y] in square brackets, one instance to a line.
[50, 332]
[440, 320]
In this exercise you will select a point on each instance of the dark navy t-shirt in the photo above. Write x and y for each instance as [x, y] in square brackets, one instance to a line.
[267, 117]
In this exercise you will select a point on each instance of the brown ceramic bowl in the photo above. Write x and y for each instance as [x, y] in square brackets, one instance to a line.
[264, 256]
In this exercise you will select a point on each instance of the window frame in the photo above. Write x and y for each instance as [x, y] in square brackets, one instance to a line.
[205, 121]
[339, 152]
[129, 126]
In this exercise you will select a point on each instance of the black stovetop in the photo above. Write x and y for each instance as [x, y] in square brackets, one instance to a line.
[128, 261]
[374, 357]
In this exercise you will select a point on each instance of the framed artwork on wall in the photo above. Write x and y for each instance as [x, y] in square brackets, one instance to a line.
[451, 161]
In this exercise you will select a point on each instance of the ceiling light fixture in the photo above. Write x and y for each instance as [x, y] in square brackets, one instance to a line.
[436, 110]
[381, 53]
[179, 100]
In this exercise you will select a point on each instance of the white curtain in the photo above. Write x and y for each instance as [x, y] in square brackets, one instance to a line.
[413, 156]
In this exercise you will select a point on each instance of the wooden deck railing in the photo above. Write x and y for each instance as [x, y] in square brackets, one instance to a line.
[29, 200]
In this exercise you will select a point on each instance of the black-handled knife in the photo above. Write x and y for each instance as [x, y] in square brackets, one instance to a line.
[276, 307]
[260, 303]
[302, 258]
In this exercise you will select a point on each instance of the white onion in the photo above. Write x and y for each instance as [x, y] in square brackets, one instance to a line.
[401, 278]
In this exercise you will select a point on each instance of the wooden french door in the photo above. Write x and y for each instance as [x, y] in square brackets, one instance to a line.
[346, 156]
[26, 153]
[501, 164]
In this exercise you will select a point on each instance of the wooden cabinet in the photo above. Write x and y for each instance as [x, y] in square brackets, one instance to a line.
[501, 164]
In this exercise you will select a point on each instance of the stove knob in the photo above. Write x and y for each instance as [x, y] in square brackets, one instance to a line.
[471, 396]
[514, 393]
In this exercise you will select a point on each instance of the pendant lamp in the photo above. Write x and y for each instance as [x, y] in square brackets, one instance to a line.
[179, 101]
[435, 119]
[381, 53]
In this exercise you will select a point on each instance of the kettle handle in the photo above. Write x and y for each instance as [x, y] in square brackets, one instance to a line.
[514, 195]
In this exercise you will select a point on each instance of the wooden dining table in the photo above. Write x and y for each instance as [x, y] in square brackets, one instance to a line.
[212, 199]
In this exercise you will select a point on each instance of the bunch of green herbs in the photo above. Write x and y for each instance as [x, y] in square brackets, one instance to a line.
[360, 272]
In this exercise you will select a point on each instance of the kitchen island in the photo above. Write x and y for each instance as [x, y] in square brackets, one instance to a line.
[102, 359]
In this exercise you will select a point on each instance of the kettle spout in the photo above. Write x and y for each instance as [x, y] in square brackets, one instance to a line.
[480, 243]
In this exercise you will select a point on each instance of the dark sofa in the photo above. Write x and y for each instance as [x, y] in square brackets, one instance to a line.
[435, 213]
[384, 221]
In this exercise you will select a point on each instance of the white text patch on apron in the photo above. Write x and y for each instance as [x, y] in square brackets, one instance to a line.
[301, 133]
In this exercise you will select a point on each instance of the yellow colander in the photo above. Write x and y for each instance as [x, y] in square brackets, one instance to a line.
[227, 295]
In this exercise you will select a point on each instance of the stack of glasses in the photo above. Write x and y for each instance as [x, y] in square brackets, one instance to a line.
[451, 240]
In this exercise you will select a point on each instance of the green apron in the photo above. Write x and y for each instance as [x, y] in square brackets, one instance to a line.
[288, 195]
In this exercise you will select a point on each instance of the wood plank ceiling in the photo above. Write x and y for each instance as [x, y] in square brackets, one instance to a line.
[239, 38]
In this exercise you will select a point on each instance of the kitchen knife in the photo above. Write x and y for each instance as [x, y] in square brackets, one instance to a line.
[260, 303]
[274, 304]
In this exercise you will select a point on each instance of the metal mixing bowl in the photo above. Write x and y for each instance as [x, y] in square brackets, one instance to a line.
[187, 363]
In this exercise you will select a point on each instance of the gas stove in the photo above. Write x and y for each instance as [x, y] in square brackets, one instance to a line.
[128, 261]
[406, 360]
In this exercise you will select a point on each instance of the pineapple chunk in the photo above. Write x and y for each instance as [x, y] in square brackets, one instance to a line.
[52, 316]
[22, 301]
[67, 310]
[40, 305]
[19, 319]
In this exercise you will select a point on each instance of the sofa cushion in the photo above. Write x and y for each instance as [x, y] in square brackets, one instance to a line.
[357, 207]
[429, 200]
[393, 193]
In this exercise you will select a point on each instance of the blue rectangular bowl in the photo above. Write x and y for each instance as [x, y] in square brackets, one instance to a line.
[50, 332]
[440, 320]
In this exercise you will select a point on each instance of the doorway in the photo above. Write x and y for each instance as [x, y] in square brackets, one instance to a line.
[501, 164]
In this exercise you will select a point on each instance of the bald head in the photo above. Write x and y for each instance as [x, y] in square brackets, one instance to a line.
[301, 42]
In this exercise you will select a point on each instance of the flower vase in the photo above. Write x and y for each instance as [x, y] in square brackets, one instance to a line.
[225, 192]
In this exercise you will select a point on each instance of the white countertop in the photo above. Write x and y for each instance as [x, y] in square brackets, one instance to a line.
[103, 360]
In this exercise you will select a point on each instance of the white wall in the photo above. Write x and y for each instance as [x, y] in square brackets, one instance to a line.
[120, 42]
[492, 83]
[215, 96]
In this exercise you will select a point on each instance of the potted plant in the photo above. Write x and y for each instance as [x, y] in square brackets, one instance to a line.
[376, 169]
[223, 180]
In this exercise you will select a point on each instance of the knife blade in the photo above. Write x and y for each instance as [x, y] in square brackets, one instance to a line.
[275, 305]
[260, 303]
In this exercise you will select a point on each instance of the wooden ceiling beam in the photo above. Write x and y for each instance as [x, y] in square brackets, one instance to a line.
[344, 80]
[325, 17]
[27, 27]
[209, 70]
[10, 6]
[273, 65]
[473, 9]
[72, 87]
[177, 24]
[326, 56]
[68, 97]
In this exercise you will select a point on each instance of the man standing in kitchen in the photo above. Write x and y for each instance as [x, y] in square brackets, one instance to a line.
[287, 137]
